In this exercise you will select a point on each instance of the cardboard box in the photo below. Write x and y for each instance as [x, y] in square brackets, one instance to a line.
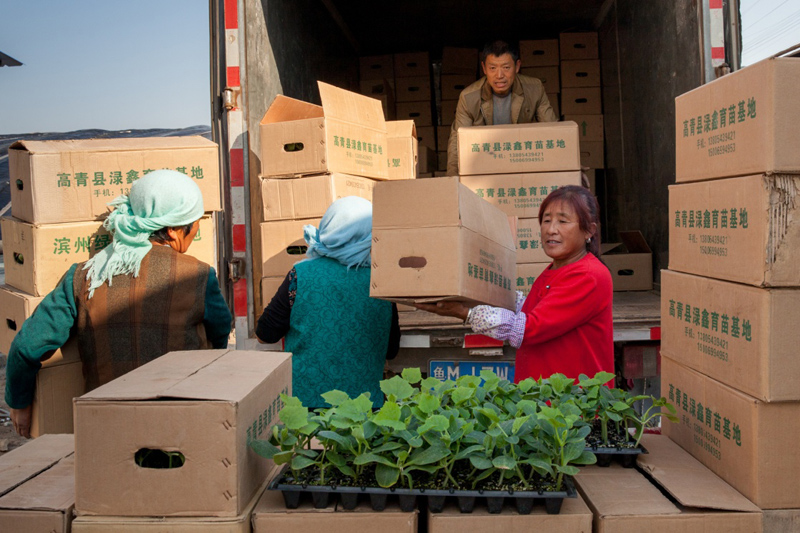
[747, 124]
[174, 524]
[442, 137]
[671, 492]
[519, 195]
[529, 242]
[346, 134]
[539, 53]
[459, 61]
[270, 515]
[283, 245]
[436, 240]
[448, 112]
[591, 177]
[37, 491]
[410, 64]
[590, 127]
[419, 112]
[580, 45]
[631, 268]
[527, 274]
[441, 161]
[581, 101]
[453, 84]
[15, 307]
[56, 386]
[269, 286]
[376, 67]
[781, 520]
[580, 73]
[413, 89]
[741, 229]
[745, 337]
[403, 150]
[593, 154]
[553, 98]
[208, 405]
[309, 196]
[383, 91]
[38, 256]
[574, 517]
[426, 135]
[549, 76]
[518, 148]
[71, 181]
[747, 442]
[427, 161]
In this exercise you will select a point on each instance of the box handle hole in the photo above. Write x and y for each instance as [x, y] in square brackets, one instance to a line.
[581, 100]
[412, 262]
[581, 75]
[159, 459]
[296, 250]
[413, 89]
[414, 114]
[293, 147]
[538, 52]
[12, 324]
[579, 46]
[19, 184]
[625, 272]
[19, 258]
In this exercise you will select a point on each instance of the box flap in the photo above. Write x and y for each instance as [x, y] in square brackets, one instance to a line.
[401, 128]
[415, 203]
[52, 490]
[27, 461]
[284, 109]
[686, 479]
[223, 375]
[634, 242]
[482, 217]
[351, 107]
[112, 144]
[618, 491]
[608, 246]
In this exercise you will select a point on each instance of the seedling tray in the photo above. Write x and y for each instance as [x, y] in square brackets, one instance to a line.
[326, 495]
[625, 456]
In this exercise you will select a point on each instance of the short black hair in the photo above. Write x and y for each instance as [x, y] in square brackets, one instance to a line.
[162, 236]
[498, 48]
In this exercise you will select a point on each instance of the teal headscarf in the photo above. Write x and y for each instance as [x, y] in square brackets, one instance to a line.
[160, 199]
[344, 234]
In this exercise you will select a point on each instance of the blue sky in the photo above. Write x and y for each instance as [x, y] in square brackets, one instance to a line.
[110, 64]
[131, 64]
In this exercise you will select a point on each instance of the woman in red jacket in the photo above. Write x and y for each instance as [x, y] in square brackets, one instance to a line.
[565, 323]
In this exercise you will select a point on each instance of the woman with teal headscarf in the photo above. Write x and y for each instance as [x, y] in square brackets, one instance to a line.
[134, 301]
[339, 337]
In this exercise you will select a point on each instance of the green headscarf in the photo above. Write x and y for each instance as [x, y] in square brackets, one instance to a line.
[160, 199]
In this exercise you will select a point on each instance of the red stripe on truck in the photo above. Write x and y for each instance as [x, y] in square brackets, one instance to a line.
[231, 14]
[237, 167]
[718, 52]
[232, 77]
[240, 298]
[239, 238]
[715, 4]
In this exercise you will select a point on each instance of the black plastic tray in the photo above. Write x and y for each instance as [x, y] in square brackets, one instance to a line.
[325, 495]
[625, 456]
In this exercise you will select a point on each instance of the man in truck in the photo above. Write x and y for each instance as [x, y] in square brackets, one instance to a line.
[501, 96]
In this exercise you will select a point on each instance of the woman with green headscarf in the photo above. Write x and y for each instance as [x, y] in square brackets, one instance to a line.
[339, 337]
[137, 299]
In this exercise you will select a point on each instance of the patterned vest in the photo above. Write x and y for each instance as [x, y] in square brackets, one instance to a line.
[338, 335]
[136, 320]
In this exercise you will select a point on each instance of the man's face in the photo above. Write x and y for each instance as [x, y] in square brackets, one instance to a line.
[500, 72]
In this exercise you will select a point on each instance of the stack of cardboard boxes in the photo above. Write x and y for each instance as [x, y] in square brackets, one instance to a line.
[460, 68]
[514, 167]
[313, 155]
[59, 192]
[731, 299]
[540, 60]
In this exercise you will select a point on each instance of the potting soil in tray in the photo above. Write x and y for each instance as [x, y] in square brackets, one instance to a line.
[325, 495]
[624, 456]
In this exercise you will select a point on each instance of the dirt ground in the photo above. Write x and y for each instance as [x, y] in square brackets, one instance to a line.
[8, 437]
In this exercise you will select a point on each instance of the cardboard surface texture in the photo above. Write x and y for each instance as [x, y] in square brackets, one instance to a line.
[574, 517]
[413, 89]
[593, 154]
[346, 134]
[529, 242]
[269, 286]
[71, 181]
[549, 76]
[740, 229]
[519, 195]
[746, 442]
[427, 161]
[527, 274]
[56, 386]
[426, 135]
[580, 73]
[271, 515]
[309, 196]
[590, 127]
[403, 149]
[411, 64]
[376, 67]
[518, 148]
[631, 268]
[580, 45]
[448, 112]
[283, 245]
[459, 61]
[625, 500]
[453, 84]
[37, 491]
[581, 101]
[419, 112]
[740, 124]
[208, 405]
[541, 53]
[436, 240]
[743, 336]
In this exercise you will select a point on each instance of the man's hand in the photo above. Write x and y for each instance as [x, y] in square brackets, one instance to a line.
[21, 418]
[455, 309]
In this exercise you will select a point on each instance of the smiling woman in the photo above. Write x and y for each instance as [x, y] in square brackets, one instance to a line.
[565, 324]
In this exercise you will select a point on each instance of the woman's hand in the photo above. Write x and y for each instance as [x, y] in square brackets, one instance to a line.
[21, 418]
[455, 309]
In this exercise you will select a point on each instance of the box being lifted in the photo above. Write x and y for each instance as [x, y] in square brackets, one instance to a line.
[346, 134]
[435, 240]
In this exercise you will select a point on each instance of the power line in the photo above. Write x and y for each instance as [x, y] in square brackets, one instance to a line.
[776, 30]
[765, 16]
[750, 8]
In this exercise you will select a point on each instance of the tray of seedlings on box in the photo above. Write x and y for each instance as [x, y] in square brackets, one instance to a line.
[472, 439]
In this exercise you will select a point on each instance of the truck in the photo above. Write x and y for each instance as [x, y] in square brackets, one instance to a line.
[650, 52]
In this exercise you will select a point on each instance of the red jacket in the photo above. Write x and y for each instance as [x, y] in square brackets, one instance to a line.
[568, 327]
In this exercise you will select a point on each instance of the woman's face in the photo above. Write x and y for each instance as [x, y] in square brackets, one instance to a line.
[562, 238]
